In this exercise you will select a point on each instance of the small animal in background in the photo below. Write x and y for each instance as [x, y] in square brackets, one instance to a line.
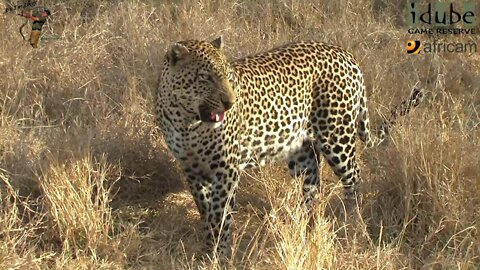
[39, 18]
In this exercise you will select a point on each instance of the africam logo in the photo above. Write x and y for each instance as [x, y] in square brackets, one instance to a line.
[416, 46]
[413, 46]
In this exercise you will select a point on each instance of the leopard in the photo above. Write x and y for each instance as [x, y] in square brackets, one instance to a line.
[300, 103]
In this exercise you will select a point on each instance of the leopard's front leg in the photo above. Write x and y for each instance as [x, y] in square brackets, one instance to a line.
[219, 206]
[200, 187]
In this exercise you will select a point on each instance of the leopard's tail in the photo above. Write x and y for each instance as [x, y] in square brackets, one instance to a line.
[415, 98]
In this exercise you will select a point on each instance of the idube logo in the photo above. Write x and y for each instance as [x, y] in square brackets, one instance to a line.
[442, 18]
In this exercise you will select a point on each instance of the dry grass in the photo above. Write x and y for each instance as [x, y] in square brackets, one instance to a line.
[86, 182]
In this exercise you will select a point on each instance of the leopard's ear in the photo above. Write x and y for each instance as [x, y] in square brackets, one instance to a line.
[218, 42]
[177, 54]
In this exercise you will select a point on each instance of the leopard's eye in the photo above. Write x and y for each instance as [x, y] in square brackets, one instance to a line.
[204, 77]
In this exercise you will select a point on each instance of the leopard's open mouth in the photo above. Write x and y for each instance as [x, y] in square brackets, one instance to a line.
[212, 116]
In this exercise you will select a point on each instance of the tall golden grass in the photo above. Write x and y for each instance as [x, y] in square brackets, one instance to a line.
[86, 182]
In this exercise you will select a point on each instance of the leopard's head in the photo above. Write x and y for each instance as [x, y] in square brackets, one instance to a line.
[199, 77]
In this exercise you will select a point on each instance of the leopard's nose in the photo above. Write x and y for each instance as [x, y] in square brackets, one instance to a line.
[227, 104]
[228, 96]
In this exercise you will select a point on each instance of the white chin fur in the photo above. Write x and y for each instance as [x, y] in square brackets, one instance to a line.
[217, 124]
